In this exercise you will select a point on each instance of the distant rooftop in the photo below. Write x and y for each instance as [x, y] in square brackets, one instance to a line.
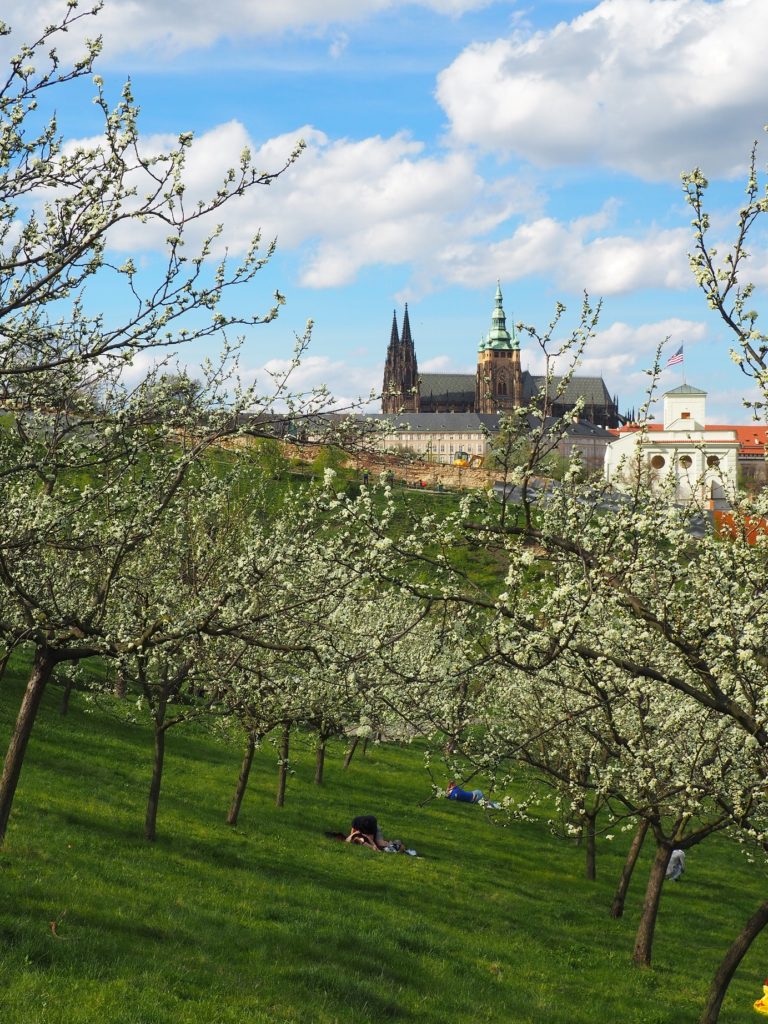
[685, 389]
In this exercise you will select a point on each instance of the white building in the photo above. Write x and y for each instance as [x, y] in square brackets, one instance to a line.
[436, 437]
[439, 437]
[703, 460]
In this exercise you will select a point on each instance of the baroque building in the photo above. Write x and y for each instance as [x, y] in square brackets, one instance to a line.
[701, 459]
[498, 385]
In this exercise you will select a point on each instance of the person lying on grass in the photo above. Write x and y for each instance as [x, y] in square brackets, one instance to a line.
[366, 832]
[469, 796]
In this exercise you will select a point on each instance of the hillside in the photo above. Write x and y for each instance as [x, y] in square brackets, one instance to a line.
[272, 923]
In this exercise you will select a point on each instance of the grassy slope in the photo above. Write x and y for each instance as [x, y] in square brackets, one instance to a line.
[270, 922]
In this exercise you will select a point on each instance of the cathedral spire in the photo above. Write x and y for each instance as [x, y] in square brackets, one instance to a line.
[406, 339]
[401, 372]
[408, 365]
[390, 400]
[394, 337]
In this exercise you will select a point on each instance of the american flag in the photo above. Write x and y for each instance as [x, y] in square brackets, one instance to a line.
[675, 359]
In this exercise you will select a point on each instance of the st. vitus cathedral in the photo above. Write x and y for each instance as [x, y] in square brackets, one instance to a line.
[498, 385]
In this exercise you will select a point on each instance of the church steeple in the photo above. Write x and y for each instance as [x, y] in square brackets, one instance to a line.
[409, 371]
[499, 384]
[390, 401]
[406, 340]
[394, 337]
[499, 337]
[401, 373]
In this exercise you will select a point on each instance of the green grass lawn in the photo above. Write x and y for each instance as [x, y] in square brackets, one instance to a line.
[271, 922]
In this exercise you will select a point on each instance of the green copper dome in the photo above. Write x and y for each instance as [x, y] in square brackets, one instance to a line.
[498, 336]
[481, 346]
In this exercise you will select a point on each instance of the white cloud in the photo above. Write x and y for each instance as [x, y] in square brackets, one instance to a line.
[350, 204]
[339, 45]
[652, 87]
[347, 204]
[141, 365]
[621, 346]
[350, 386]
[727, 406]
[443, 364]
[567, 252]
[173, 26]
[623, 352]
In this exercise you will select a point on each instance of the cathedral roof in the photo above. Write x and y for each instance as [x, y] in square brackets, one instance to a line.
[458, 387]
[455, 386]
[591, 389]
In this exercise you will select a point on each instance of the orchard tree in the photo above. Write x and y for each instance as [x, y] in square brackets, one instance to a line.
[66, 546]
[590, 581]
[719, 275]
[58, 206]
[334, 653]
[605, 745]
[92, 469]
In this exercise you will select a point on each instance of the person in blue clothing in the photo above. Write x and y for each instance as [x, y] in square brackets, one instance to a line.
[466, 796]
[469, 796]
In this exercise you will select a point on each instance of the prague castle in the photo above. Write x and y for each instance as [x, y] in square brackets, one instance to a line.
[498, 385]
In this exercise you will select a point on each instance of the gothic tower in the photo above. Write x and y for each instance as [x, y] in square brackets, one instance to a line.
[499, 377]
[401, 373]
[390, 389]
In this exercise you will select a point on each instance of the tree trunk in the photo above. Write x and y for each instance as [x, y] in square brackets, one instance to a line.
[283, 771]
[67, 693]
[42, 668]
[150, 823]
[365, 746]
[730, 962]
[646, 928]
[320, 759]
[242, 782]
[617, 907]
[4, 661]
[121, 684]
[589, 834]
[350, 752]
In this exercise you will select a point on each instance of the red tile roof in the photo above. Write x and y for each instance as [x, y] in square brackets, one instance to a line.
[752, 438]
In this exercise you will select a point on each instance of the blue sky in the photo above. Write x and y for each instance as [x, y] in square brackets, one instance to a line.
[451, 143]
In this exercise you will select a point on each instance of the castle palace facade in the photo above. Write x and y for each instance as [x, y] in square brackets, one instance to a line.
[498, 385]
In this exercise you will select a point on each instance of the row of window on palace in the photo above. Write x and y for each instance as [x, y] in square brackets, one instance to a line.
[451, 448]
[684, 462]
[439, 437]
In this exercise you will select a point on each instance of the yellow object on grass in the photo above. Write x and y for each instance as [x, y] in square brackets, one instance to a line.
[761, 1005]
